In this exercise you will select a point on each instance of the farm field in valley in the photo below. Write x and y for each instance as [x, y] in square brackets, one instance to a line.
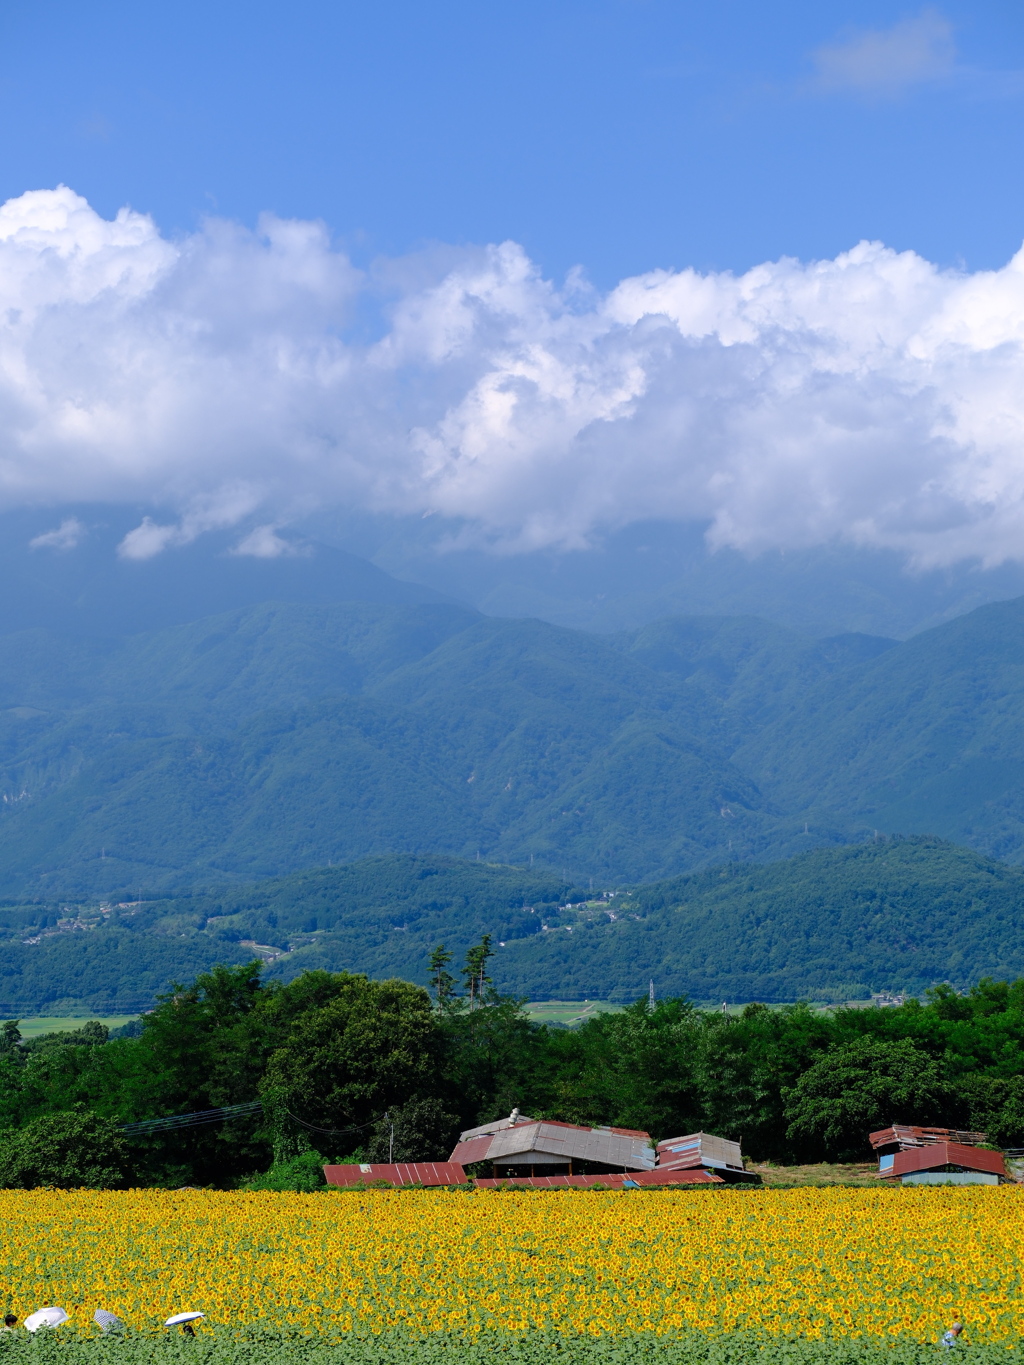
[34, 1025]
[891, 1265]
[569, 1012]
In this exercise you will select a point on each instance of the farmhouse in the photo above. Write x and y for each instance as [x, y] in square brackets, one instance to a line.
[547, 1154]
[523, 1147]
[936, 1156]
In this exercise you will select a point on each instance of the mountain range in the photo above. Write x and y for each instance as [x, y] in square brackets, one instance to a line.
[242, 740]
[278, 737]
[895, 915]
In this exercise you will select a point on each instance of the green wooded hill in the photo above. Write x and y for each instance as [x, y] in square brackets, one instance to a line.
[896, 915]
[832, 924]
[382, 915]
[279, 737]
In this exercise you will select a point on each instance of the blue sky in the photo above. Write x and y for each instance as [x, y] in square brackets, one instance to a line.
[618, 134]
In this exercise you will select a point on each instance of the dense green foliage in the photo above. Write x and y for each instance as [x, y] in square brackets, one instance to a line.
[66, 1150]
[381, 915]
[233, 1346]
[355, 1069]
[836, 924]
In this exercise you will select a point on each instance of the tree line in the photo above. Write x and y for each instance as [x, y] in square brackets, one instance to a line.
[349, 1068]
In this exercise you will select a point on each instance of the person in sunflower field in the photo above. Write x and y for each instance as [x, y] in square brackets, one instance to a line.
[10, 1322]
[950, 1336]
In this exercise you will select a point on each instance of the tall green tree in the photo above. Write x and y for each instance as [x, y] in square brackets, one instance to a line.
[475, 970]
[860, 1087]
[376, 1044]
[441, 980]
[67, 1150]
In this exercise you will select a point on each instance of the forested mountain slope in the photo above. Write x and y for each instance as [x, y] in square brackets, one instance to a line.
[288, 736]
[842, 923]
[285, 736]
[833, 924]
[927, 738]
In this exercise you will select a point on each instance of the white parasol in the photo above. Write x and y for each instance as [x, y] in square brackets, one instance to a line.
[45, 1317]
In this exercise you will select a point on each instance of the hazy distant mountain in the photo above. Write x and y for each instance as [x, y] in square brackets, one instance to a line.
[656, 569]
[77, 581]
[285, 736]
[74, 580]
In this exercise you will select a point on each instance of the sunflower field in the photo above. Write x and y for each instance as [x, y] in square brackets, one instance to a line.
[801, 1275]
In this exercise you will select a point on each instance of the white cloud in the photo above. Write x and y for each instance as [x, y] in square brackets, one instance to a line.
[63, 537]
[887, 62]
[263, 542]
[872, 398]
[208, 511]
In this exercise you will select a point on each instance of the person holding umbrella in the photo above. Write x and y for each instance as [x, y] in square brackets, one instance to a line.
[185, 1321]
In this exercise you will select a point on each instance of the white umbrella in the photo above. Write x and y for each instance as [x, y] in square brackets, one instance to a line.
[45, 1317]
[180, 1317]
[110, 1322]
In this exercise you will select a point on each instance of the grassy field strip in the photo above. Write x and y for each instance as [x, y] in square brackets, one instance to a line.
[33, 1026]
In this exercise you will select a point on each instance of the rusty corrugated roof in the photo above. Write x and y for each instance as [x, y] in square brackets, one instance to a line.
[476, 1149]
[700, 1149]
[936, 1155]
[398, 1173]
[906, 1135]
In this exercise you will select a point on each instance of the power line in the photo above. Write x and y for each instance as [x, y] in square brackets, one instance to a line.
[331, 1132]
[175, 1121]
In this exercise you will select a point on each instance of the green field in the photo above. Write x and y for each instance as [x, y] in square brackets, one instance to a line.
[224, 1346]
[568, 1011]
[33, 1027]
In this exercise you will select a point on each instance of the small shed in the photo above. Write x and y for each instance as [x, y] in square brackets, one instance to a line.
[704, 1150]
[943, 1163]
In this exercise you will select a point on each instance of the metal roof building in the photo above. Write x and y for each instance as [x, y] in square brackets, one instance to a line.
[943, 1163]
[632, 1180]
[702, 1150]
[520, 1146]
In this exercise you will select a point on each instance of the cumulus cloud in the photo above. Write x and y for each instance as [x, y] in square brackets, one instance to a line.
[66, 536]
[263, 542]
[873, 398]
[887, 62]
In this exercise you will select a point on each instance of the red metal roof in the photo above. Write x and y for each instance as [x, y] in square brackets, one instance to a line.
[400, 1173]
[938, 1154]
[475, 1149]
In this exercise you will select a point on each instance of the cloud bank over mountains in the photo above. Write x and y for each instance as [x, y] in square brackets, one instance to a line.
[233, 378]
